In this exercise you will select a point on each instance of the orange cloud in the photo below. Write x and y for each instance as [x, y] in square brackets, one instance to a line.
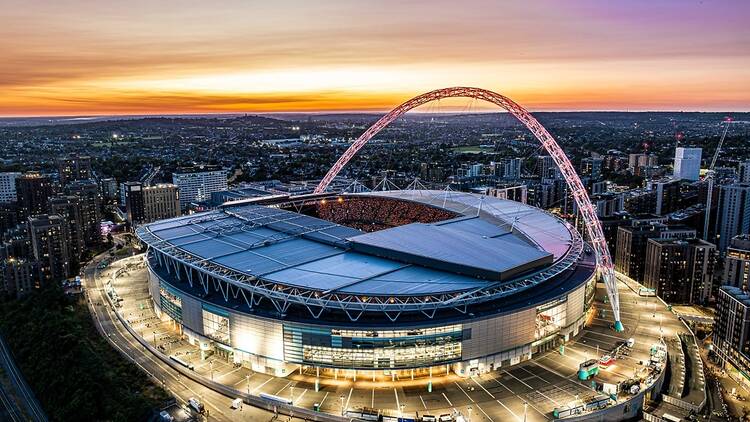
[74, 57]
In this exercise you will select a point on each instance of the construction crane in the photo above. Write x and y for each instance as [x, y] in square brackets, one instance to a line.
[710, 178]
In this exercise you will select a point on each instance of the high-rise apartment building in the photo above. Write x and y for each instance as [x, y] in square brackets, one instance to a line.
[687, 163]
[90, 202]
[666, 195]
[509, 168]
[546, 167]
[50, 247]
[732, 213]
[196, 184]
[74, 168]
[69, 208]
[737, 262]
[108, 188]
[18, 276]
[638, 161]
[432, 172]
[132, 196]
[592, 167]
[632, 242]
[743, 172]
[8, 216]
[731, 337]
[680, 270]
[145, 204]
[8, 187]
[33, 191]
[161, 201]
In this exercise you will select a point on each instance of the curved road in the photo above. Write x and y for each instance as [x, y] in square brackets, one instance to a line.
[19, 401]
[183, 388]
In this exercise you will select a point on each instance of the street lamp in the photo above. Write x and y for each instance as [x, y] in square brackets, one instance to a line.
[247, 378]
[342, 404]
[291, 394]
[470, 409]
[401, 410]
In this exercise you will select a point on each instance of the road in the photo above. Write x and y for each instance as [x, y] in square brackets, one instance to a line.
[183, 388]
[16, 397]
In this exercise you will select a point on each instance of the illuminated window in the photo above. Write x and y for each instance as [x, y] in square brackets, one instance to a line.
[170, 302]
[216, 324]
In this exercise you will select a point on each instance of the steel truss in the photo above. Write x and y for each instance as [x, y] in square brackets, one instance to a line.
[231, 283]
[586, 208]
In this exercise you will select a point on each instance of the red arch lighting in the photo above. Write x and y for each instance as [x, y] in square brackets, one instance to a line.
[593, 226]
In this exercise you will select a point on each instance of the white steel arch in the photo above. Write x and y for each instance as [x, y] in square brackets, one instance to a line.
[593, 226]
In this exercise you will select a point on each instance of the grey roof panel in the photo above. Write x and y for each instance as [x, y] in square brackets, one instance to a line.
[450, 248]
[211, 248]
[335, 271]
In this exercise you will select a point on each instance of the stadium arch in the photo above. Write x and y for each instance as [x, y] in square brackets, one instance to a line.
[581, 197]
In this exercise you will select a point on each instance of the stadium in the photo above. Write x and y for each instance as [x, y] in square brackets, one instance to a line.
[377, 282]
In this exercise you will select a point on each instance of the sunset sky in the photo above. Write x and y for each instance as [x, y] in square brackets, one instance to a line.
[89, 57]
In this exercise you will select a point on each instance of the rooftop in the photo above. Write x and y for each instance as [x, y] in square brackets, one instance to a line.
[298, 250]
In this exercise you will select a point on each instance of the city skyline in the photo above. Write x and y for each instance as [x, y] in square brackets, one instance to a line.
[72, 58]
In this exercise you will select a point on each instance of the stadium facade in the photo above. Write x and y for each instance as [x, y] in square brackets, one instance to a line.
[386, 281]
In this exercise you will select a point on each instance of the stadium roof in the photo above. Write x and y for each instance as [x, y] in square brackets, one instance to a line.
[467, 245]
[298, 250]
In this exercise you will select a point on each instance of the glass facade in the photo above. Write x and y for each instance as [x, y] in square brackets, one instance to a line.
[170, 302]
[216, 324]
[550, 317]
[374, 349]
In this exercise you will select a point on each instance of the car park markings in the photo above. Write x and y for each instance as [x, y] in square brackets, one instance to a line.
[300, 396]
[446, 399]
[346, 406]
[519, 380]
[324, 399]
[463, 391]
[482, 387]
[261, 385]
[244, 380]
[503, 385]
[534, 375]
[508, 409]
[483, 412]
[283, 388]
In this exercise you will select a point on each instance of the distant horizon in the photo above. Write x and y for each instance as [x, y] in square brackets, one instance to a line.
[83, 117]
[140, 57]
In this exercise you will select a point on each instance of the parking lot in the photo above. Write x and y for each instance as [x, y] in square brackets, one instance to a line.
[530, 390]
